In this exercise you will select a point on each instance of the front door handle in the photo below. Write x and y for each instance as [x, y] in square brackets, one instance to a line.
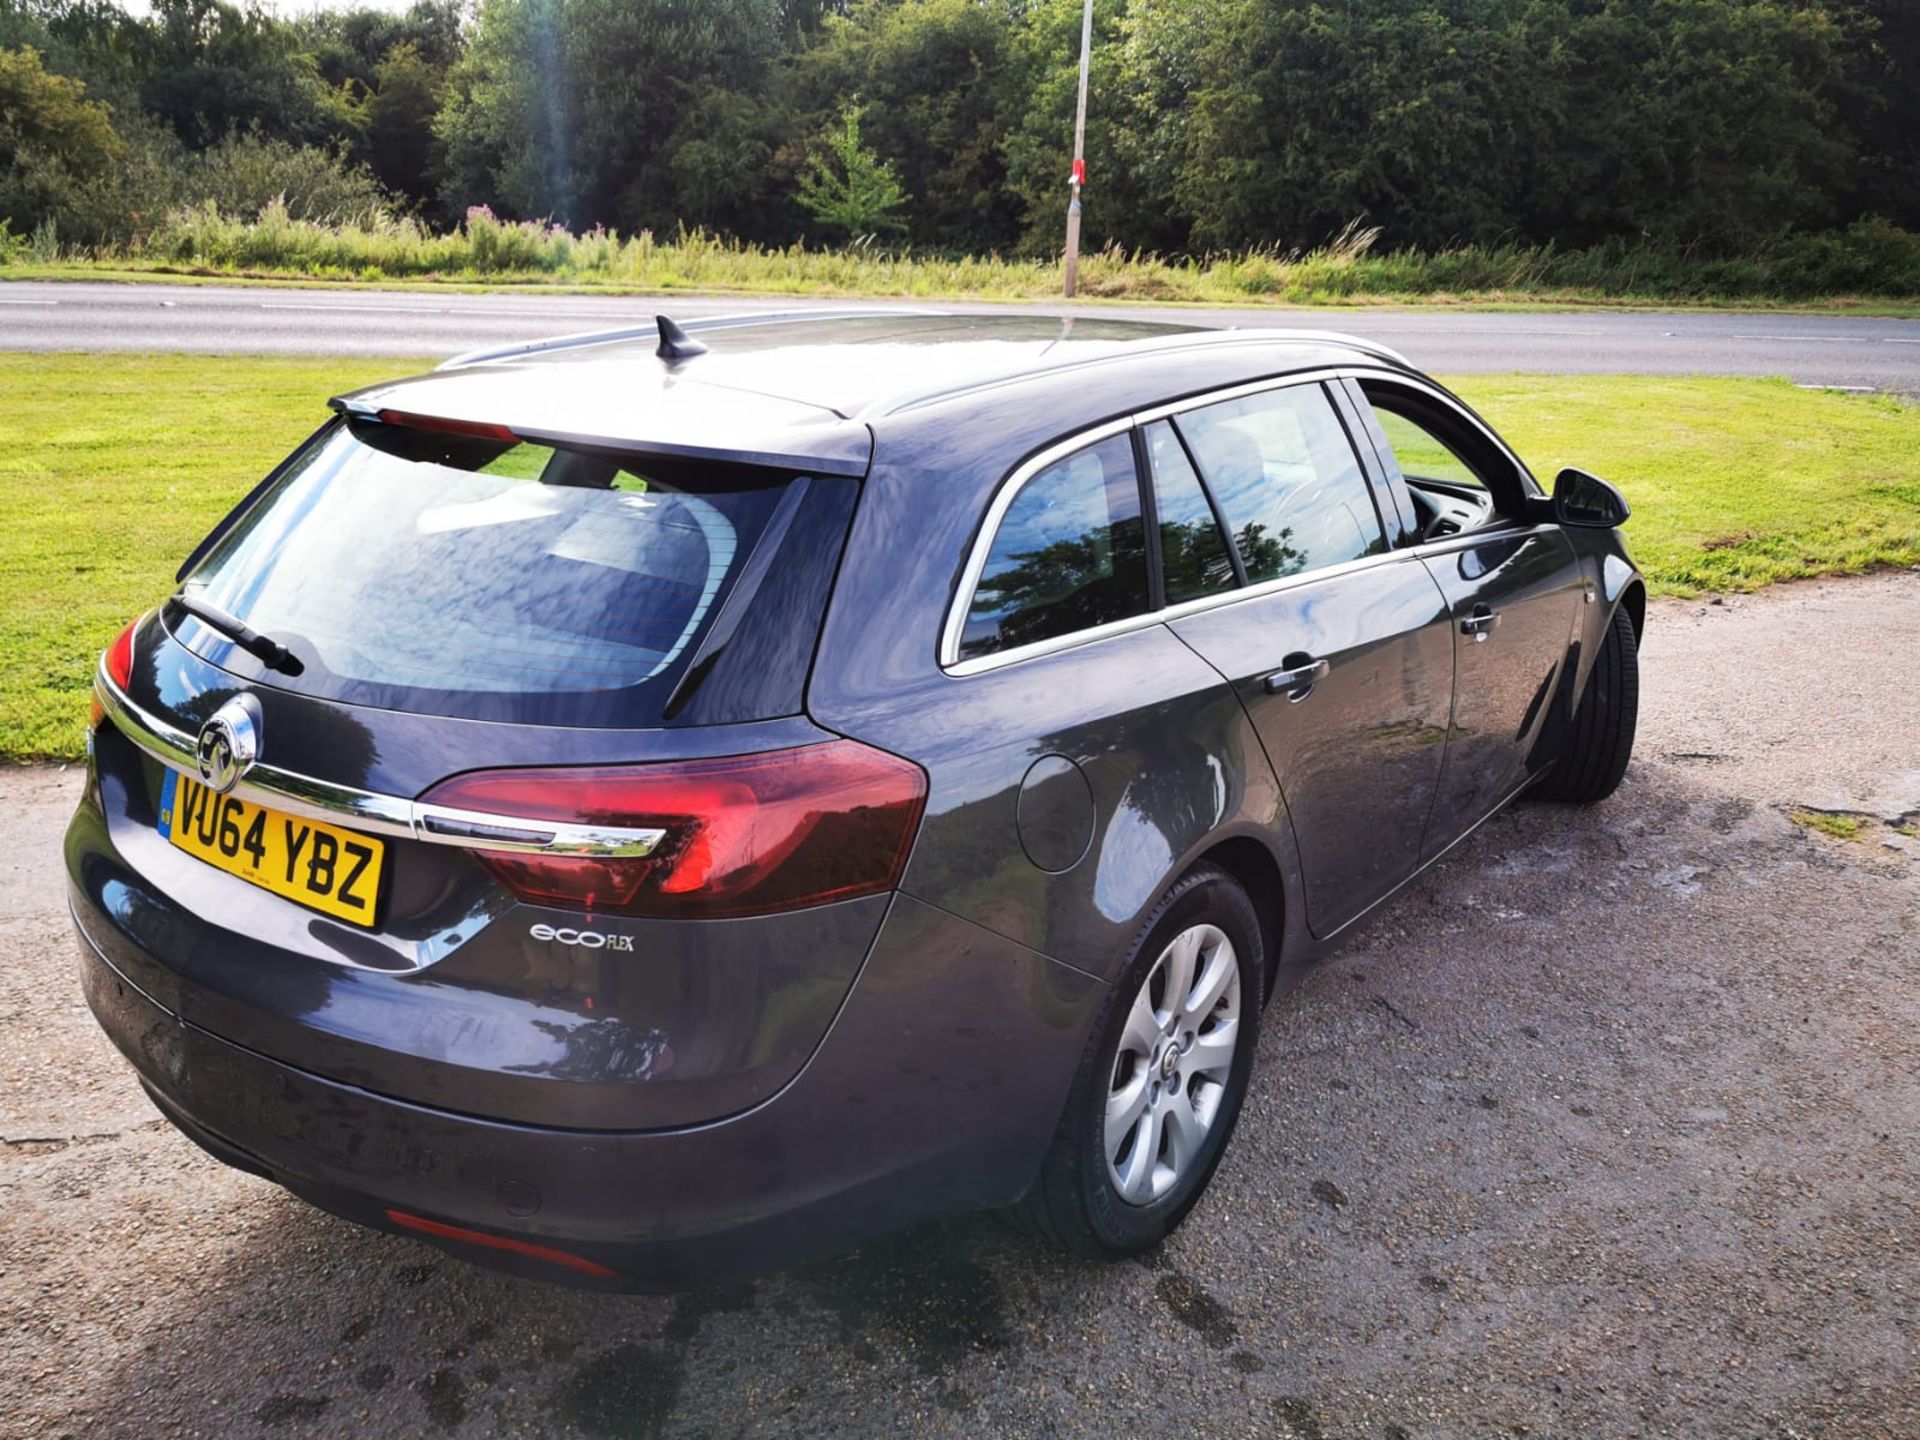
[1479, 624]
[1298, 679]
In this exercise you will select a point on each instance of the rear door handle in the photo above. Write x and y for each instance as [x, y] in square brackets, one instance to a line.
[1479, 624]
[1298, 680]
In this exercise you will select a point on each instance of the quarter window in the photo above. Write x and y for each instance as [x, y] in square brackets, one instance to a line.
[1070, 554]
[1193, 552]
[1285, 476]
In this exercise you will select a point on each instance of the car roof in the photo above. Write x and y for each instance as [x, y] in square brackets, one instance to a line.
[804, 387]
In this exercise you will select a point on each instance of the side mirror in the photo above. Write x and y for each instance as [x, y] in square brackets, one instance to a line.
[1587, 500]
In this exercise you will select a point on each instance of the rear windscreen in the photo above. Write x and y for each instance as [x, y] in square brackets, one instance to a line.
[412, 569]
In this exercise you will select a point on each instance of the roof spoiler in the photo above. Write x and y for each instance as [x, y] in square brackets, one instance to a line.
[851, 455]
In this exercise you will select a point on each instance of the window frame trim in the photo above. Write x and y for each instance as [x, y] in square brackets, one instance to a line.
[1149, 478]
[1149, 520]
[1395, 505]
[948, 656]
[1527, 483]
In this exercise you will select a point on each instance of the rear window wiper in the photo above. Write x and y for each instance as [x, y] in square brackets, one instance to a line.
[269, 652]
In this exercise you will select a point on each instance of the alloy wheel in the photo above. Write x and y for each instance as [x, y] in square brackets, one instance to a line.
[1175, 1058]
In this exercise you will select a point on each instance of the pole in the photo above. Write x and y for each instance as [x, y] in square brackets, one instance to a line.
[1079, 175]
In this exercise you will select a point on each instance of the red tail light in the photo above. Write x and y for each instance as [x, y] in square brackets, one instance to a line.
[745, 835]
[119, 656]
[471, 429]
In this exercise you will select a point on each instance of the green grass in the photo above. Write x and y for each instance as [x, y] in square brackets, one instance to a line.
[1734, 483]
[113, 466]
[1835, 827]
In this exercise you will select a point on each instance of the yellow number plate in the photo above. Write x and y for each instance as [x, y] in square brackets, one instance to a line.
[334, 871]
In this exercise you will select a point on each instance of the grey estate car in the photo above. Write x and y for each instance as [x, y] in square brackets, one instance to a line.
[654, 804]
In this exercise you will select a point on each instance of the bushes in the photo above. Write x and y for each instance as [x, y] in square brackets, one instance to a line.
[67, 168]
[53, 140]
[1869, 257]
[243, 176]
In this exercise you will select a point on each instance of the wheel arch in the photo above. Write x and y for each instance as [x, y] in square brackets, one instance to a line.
[1634, 601]
[1254, 868]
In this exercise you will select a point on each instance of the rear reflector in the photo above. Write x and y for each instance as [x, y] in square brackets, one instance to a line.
[119, 656]
[439, 1228]
[745, 835]
[472, 429]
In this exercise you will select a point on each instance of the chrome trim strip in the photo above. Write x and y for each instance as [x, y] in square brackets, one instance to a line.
[949, 657]
[905, 400]
[405, 819]
[1226, 598]
[1236, 392]
[1409, 378]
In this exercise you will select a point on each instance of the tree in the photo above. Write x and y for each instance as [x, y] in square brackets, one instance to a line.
[215, 70]
[1720, 127]
[52, 139]
[350, 45]
[385, 76]
[1277, 126]
[855, 193]
[94, 41]
[936, 82]
[1702, 123]
[1883, 108]
[573, 109]
[1129, 192]
[48, 117]
[1446, 121]
[722, 162]
[400, 146]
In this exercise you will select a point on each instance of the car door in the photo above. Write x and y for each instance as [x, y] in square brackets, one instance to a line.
[1337, 647]
[1513, 590]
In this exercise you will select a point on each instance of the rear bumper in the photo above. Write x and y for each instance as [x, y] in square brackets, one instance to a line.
[936, 1090]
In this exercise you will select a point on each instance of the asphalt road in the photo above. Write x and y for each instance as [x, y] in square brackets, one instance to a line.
[1604, 1129]
[1810, 349]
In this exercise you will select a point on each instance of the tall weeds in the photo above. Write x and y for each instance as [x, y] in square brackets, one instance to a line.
[1870, 259]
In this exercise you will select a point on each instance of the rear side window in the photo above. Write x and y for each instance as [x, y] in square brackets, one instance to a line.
[417, 570]
[1069, 554]
[1284, 474]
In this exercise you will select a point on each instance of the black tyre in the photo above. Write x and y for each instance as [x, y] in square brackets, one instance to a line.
[1602, 738]
[1161, 1085]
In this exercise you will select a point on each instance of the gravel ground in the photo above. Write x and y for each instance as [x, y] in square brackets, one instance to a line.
[1606, 1128]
